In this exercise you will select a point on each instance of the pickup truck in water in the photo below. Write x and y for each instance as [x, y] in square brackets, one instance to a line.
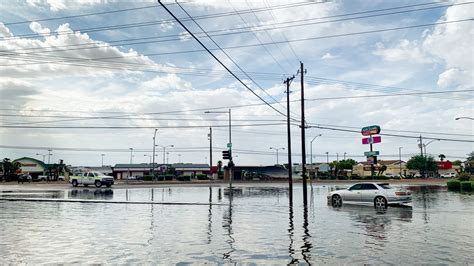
[91, 178]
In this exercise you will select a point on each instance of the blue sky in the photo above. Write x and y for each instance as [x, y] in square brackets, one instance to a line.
[432, 58]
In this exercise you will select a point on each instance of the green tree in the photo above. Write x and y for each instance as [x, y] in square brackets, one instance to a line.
[457, 162]
[469, 164]
[382, 169]
[422, 164]
[9, 168]
[442, 157]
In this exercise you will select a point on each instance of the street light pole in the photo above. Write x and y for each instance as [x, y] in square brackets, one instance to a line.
[311, 149]
[102, 159]
[44, 156]
[327, 157]
[345, 155]
[131, 155]
[400, 160]
[153, 164]
[424, 145]
[277, 149]
[49, 155]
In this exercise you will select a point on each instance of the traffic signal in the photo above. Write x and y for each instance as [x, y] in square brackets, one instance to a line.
[226, 155]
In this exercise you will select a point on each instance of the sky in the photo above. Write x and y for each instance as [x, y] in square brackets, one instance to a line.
[102, 75]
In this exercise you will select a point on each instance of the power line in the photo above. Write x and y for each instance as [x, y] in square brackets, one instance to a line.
[138, 127]
[251, 29]
[217, 59]
[156, 22]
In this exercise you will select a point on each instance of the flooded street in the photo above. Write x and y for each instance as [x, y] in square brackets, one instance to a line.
[256, 225]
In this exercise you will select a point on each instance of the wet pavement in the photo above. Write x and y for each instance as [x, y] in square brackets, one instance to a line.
[205, 225]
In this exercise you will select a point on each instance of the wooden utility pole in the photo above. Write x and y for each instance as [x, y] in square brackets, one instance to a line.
[303, 137]
[290, 164]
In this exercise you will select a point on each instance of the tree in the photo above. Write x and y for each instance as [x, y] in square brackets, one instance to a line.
[442, 157]
[422, 163]
[457, 162]
[9, 168]
[382, 169]
[469, 164]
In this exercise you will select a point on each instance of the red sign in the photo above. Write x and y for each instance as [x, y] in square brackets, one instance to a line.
[445, 165]
[372, 140]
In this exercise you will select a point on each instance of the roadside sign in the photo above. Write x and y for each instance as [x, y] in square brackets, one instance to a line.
[371, 153]
[370, 130]
[229, 145]
[372, 140]
[372, 160]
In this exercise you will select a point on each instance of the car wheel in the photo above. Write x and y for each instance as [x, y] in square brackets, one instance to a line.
[98, 183]
[74, 183]
[336, 201]
[380, 202]
[86, 185]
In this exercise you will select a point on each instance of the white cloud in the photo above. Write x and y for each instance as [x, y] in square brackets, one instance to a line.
[37, 28]
[4, 31]
[327, 56]
[404, 51]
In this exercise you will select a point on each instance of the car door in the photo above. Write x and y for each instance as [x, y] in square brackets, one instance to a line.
[353, 193]
[90, 179]
[368, 192]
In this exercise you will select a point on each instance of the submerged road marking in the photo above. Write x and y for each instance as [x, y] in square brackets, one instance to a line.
[108, 201]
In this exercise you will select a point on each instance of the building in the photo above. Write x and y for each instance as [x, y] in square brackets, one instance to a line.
[189, 169]
[123, 171]
[392, 168]
[32, 166]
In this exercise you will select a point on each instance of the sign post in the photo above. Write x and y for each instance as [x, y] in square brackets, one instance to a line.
[371, 155]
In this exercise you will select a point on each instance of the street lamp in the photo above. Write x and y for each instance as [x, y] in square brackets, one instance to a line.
[424, 145]
[400, 160]
[277, 149]
[44, 155]
[464, 117]
[131, 155]
[164, 151]
[337, 157]
[345, 155]
[102, 155]
[153, 164]
[327, 157]
[149, 156]
[229, 145]
[311, 148]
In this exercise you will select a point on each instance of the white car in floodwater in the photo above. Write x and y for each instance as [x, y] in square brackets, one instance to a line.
[380, 195]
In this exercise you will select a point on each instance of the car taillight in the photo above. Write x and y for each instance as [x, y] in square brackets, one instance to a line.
[401, 193]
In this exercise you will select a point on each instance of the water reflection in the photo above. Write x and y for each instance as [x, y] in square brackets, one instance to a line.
[291, 228]
[227, 224]
[376, 221]
[209, 218]
[306, 247]
[91, 194]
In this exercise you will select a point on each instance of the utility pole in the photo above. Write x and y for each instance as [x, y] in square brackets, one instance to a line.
[288, 133]
[102, 159]
[327, 157]
[421, 152]
[303, 137]
[210, 152]
[345, 155]
[153, 164]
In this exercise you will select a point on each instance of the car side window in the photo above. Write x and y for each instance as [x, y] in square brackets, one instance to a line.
[369, 187]
[91, 175]
[356, 187]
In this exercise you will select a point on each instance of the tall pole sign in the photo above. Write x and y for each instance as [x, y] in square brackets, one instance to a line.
[370, 131]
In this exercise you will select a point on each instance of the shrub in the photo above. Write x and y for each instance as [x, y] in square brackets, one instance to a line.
[184, 178]
[169, 177]
[464, 177]
[472, 185]
[160, 178]
[147, 177]
[466, 185]
[454, 184]
[202, 177]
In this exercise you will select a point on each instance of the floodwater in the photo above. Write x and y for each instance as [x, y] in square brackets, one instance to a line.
[254, 226]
